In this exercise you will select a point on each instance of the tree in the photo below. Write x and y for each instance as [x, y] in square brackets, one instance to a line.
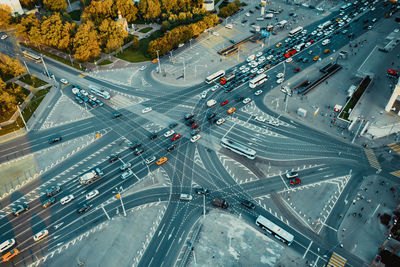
[55, 5]
[149, 9]
[29, 4]
[10, 66]
[98, 10]
[26, 25]
[127, 8]
[86, 42]
[112, 34]
[5, 16]
[169, 5]
[55, 33]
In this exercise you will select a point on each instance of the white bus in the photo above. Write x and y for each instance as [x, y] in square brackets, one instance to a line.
[100, 92]
[258, 80]
[215, 76]
[238, 148]
[32, 56]
[324, 25]
[295, 31]
[274, 230]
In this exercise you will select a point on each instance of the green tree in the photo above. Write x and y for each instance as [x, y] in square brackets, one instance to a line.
[86, 42]
[55, 5]
[5, 16]
[112, 34]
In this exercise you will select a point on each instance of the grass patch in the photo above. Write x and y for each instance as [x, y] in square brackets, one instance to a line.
[104, 62]
[139, 55]
[76, 14]
[12, 127]
[35, 82]
[145, 30]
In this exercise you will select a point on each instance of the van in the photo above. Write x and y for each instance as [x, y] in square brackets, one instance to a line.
[185, 197]
[6, 245]
[229, 26]
[211, 103]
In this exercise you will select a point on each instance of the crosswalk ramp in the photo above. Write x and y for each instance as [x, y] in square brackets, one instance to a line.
[373, 161]
[396, 173]
[336, 261]
[395, 147]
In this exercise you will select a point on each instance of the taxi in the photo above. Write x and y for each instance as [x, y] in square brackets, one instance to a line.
[161, 160]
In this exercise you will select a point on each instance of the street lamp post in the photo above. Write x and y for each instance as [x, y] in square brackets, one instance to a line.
[119, 195]
[22, 117]
[158, 60]
[102, 206]
[44, 64]
[184, 70]
[27, 69]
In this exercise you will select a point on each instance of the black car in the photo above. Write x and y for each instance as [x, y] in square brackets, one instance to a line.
[248, 204]
[210, 116]
[153, 136]
[239, 99]
[84, 208]
[19, 209]
[138, 151]
[194, 132]
[202, 191]
[55, 140]
[190, 122]
[113, 158]
[49, 202]
[170, 148]
[188, 116]
[51, 191]
[172, 125]
[92, 103]
[135, 145]
[116, 115]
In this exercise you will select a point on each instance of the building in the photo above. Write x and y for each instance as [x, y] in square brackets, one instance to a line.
[394, 102]
[14, 4]
[208, 5]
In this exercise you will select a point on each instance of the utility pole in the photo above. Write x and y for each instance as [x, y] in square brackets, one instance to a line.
[27, 69]
[45, 68]
[204, 206]
[102, 206]
[119, 195]
[184, 69]
[159, 64]
[22, 117]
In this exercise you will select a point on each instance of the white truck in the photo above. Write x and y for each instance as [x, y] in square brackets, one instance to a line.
[91, 176]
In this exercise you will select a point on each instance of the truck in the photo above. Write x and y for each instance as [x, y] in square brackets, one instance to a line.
[220, 202]
[90, 177]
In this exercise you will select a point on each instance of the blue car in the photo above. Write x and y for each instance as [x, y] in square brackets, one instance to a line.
[99, 102]
[80, 101]
[85, 98]
[92, 103]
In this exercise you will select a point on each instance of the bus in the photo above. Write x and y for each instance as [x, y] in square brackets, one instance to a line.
[215, 76]
[100, 92]
[258, 80]
[32, 56]
[295, 31]
[227, 78]
[345, 6]
[238, 148]
[324, 25]
[274, 230]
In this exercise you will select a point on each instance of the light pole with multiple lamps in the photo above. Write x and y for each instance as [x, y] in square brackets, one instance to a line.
[118, 193]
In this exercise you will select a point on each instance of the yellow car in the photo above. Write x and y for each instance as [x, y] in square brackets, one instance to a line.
[326, 51]
[338, 19]
[231, 110]
[278, 44]
[161, 160]
[9, 255]
[316, 58]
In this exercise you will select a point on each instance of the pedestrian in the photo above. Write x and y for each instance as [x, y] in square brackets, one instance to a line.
[362, 208]
[378, 215]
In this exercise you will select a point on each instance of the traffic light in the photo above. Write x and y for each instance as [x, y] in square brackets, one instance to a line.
[118, 196]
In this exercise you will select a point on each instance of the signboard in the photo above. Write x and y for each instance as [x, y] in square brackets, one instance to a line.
[265, 33]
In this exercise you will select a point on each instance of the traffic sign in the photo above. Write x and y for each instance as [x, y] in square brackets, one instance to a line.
[265, 33]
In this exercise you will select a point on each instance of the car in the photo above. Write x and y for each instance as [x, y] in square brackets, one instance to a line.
[53, 190]
[145, 110]
[278, 44]
[125, 166]
[172, 125]
[194, 125]
[279, 81]
[175, 137]
[66, 199]
[18, 209]
[188, 116]
[6, 245]
[92, 103]
[295, 181]
[259, 71]
[247, 14]
[169, 133]
[254, 70]
[239, 99]
[40, 235]
[92, 194]
[291, 175]
[55, 140]
[215, 33]
[190, 122]
[93, 98]
[143, 67]
[99, 102]
[134, 145]
[138, 151]
[223, 103]
[260, 119]
[194, 132]
[215, 87]
[325, 42]
[280, 75]
[248, 204]
[161, 161]
[64, 81]
[305, 60]
[113, 158]
[202, 191]
[231, 110]
[289, 60]
[85, 98]
[84, 92]
[4, 36]
[203, 94]
[314, 32]
[116, 115]
[185, 197]
[259, 54]
[195, 138]
[210, 116]
[246, 100]
[126, 174]
[258, 92]
[153, 136]
[296, 70]
[220, 121]
[170, 148]
[49, 202]
[273, 123]
[150, 160]
[316, 58]
[84, 208]
[9, 255]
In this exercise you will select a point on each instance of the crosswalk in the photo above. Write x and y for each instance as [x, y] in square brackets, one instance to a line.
[373, 161]
[395, 147]
[336, 261]
[396, 173]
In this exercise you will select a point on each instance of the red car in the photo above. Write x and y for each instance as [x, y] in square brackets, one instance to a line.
[296, 70]
[176, 136]
[295, 181]
[224, 103]
[195, 125]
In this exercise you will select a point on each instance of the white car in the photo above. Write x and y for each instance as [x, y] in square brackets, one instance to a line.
[169, 133]
[259, 54]
[320, 33]
[314, 33]
[203, 94]
[40, 235]
[83, 92]
[280, 75]
[150, 160]
[291, 175]
[246, 100]
[304, 31]
[273, 123]
[4, 36]
[66, 199]
[260, 119]
[279, 81]
[143, 67]
[320, 9]
[261, 58]
[215, 87]
[92, 97]
[289, 60]
[396, 30]
[258, 92]
[75, 90]
[325, 42]
[247, 14]
[215, 33]
[92, 194]
[126, 174]
[254, 70]
[260, 71]
[242, 67]
[145, 110]
[270, 57]
[220, 121]
[195, 138]
[185, 197]
[64, 81]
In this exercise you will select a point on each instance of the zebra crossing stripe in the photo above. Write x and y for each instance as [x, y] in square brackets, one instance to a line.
[372, 158]
[395, 147]
[336, 261]
[396, 173]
